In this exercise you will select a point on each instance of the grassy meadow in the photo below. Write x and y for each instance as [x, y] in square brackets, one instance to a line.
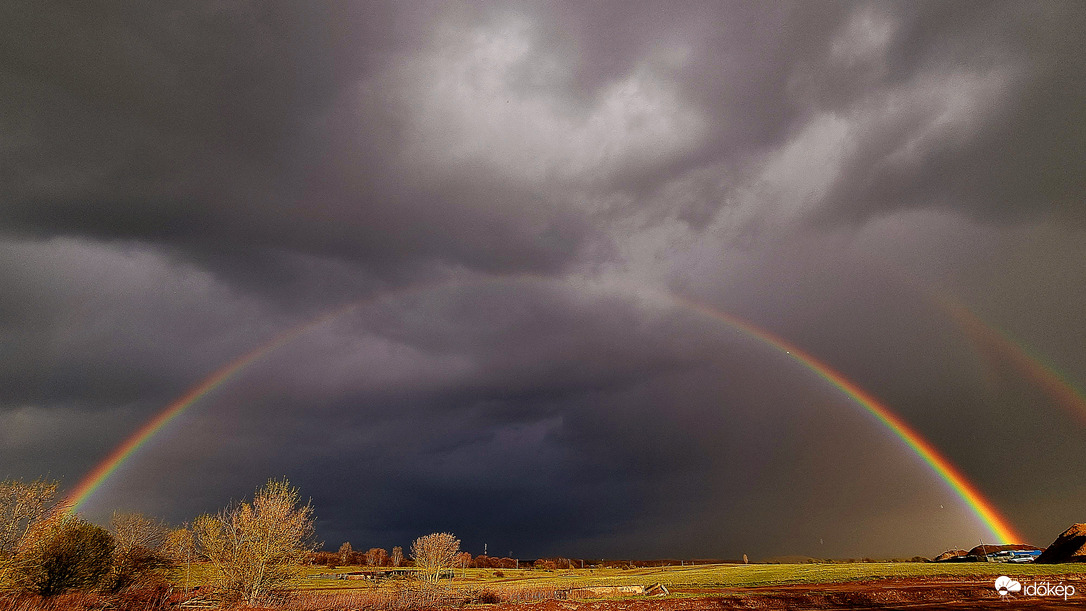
[707, 576]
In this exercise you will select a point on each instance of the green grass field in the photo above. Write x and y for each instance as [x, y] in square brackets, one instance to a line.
[714, 576]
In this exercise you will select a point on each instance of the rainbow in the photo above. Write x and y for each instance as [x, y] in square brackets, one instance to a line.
[1044, 376]
[999, 526]
[93, 480]
[985, 511]
[90, 482]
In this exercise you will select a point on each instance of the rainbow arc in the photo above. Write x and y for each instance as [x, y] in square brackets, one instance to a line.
[984, 510]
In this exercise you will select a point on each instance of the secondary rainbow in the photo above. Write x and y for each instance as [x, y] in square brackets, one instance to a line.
[1044, 376]
[999, 526]
[985, 511]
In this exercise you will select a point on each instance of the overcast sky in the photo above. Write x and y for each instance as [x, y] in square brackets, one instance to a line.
[519, 198]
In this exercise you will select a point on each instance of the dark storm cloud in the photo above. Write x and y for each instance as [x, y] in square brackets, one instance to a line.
[228, 129]
[89, 325]
[514, 449]
[504, 191]
[974, 106]
[213, 130]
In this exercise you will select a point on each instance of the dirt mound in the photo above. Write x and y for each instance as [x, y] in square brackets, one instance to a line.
[1068, 547]
[982, 550]
[953, 553]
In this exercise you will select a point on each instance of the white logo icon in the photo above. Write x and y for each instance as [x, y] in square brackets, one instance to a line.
[1005, 585]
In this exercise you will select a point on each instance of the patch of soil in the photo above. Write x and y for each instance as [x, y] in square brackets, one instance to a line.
[917, 593]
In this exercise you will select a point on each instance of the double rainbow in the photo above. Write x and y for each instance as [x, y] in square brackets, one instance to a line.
[1044, 376]
[998, 525]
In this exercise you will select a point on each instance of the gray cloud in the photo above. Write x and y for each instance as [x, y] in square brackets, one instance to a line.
[507, 193]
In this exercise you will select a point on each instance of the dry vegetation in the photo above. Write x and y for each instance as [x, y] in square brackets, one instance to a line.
[434, 553]
[260, 555]
[256, 549]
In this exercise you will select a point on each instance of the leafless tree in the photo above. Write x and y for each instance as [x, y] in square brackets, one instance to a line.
[134, 530]
[397, 556]
[345, 553]
[376, 556]
[434, 553]
[21, 506]
[180, 547]
[139, 555]
[462, 561]
[25, 509]
[255, 549]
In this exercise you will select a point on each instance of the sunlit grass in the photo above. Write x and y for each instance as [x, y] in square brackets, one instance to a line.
[705, 576]
[752, 575]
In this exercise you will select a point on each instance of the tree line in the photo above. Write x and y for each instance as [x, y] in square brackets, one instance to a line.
[251, 550]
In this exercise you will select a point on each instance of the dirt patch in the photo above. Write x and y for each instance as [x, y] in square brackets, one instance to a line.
[926, 593]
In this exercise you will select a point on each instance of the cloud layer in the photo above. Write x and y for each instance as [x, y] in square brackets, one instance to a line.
[509, 193]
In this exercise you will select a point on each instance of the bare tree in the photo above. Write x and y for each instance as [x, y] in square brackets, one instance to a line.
[135, 530]
[24, 510]
[462, 561]
[376, 556]
[21, 506]
[180, 547]
[345, 553]
[139, 555]
[255, 549]
[397, 556]
[434, 553]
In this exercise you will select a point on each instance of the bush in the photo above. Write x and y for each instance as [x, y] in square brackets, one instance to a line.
[67, 553]
[482, 597]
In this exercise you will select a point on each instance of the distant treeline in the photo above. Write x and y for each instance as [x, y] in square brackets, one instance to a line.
[380, 557]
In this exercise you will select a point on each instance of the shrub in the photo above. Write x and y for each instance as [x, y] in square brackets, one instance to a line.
[65, 553]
